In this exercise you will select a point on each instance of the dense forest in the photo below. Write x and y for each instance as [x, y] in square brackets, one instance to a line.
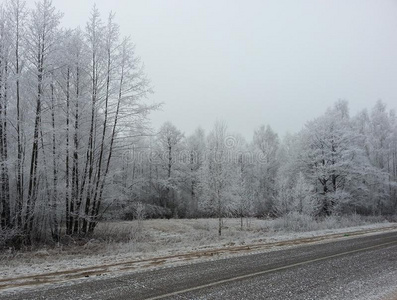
[76, 146]
[337, 164]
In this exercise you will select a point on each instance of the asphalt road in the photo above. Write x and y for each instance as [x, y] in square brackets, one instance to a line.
[352, 268]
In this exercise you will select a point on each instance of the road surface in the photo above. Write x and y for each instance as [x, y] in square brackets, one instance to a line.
[351, 268]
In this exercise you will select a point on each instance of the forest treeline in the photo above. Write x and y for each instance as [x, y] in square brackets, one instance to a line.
[75, 145]
[337, 164]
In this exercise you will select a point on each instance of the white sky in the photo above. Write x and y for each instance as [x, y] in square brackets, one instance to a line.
[257, 62]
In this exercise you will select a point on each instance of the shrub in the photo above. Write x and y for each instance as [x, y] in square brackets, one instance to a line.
[294, 222]
[10, 238]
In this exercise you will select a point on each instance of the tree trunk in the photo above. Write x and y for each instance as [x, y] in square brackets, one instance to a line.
[98, 202]
[54, 200]
[74, 211]
[102, 145]
[5, 187]
[19, 183]
[33, 180]
[67, 200]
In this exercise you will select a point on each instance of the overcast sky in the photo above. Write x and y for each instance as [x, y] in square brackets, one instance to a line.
[257, 62]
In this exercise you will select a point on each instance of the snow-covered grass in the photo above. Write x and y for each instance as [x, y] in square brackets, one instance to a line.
[133, 240]
[295, 222]
[159, 234]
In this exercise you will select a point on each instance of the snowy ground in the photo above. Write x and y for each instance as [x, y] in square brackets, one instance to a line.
[166, 243]
[154, 243]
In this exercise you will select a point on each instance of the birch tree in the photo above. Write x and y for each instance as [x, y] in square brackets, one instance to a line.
[5, 216]
[75, 100]
[217, 175]
[42, 39]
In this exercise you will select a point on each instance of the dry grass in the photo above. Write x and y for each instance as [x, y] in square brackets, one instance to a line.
[161, 234]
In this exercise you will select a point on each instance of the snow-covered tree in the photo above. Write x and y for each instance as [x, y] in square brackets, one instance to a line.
[334, 161]
[265, 147]
[195, 149]
[218, 176]
[169, 156]
[70, 101]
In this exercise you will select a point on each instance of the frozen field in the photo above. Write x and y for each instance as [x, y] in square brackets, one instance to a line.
[118, 242]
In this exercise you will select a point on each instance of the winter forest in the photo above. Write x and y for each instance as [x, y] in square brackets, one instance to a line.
[76, 145]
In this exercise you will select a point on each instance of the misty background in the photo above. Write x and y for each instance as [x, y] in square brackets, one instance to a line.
[256, 62]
